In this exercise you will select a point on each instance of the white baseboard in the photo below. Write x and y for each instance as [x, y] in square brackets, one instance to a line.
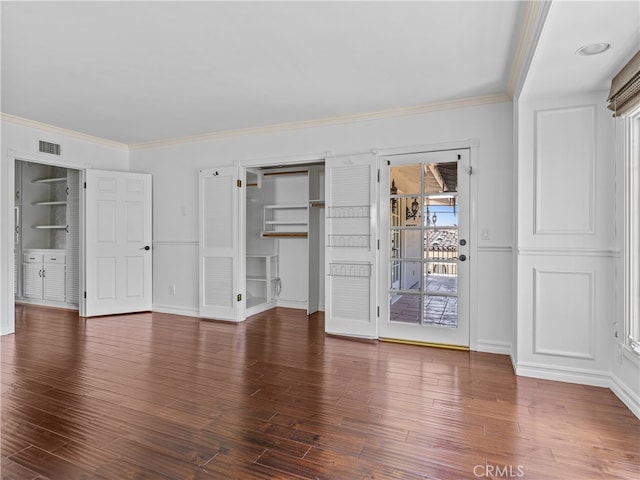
[301, 305]
[625, 394]
[187, 312]
[488, 346]
[564, 374]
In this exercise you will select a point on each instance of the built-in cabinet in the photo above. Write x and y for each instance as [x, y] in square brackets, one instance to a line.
[47, 234]
[285, 222]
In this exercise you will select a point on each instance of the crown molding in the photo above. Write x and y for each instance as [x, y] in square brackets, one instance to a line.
[25, 122]
[376, 115]
[280, 127]
[532, 25]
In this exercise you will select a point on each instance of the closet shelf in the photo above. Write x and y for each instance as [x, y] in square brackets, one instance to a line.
[49, 180]
[50, 227]
[285, 234]
[285, 222]
[49, 203]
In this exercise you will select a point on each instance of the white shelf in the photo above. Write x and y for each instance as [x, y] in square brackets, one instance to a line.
[49, 180]
[50, 203]
[50, 227]
[286, 222]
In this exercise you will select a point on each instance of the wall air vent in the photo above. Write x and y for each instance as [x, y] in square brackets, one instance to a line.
[48, 147]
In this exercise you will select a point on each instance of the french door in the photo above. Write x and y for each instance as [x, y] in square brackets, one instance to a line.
[425, 244]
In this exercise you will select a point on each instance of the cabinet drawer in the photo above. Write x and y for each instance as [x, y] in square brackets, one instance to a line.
[32, 258]
[54, 258]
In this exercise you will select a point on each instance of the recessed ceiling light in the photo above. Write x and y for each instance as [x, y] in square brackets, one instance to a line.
[593, 49]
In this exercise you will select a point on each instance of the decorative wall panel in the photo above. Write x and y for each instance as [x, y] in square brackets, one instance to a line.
[563, 313]
[564, 165]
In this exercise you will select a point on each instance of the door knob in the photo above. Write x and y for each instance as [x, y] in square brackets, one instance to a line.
[146, 247]
[463, 242]
[462, 258]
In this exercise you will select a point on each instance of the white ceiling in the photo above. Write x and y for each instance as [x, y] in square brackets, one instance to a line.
[136, 72]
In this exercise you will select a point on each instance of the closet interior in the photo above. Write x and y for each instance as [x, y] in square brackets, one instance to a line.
[47, 235]
[284, 232]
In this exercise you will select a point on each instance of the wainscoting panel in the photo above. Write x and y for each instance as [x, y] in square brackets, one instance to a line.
[564, 171]
[563, 313]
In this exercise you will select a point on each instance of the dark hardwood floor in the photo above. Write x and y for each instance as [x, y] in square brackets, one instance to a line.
[167, 397]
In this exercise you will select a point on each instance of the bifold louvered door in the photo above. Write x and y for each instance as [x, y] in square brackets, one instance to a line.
[219, 240]
[351, 245]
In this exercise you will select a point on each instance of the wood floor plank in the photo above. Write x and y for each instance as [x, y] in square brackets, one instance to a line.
[160, 396]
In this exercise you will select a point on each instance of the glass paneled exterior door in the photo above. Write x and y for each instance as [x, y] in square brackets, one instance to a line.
[427, 236]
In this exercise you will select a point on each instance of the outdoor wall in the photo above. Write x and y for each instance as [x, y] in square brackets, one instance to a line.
[21, 139]
[565, 240]
[175, 171]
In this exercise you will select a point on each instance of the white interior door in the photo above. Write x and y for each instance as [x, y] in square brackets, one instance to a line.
[425, 217]
[219, 237]
[350, 252]
[118, 231]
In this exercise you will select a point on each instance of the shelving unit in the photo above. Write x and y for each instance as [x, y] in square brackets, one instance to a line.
[286, 220]
[262, 279]
[55, 201]
[47, 234]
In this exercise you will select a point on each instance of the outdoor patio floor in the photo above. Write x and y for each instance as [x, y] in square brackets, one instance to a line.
[438, 310]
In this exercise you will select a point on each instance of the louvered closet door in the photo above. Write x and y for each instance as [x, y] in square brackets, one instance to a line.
[219, 243]
[350, 255]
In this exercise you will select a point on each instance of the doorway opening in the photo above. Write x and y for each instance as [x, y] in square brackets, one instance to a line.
[284, 232]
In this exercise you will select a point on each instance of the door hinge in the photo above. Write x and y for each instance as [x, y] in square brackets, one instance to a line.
[85, 184]
[85, 294]
[239, 183]
[239, 297]
[378, 311]
[378, 244]
[378, 175]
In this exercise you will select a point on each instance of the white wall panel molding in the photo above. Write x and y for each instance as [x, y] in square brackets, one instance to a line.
[624, 393]
[568, 252]
[177, 243]
[597, 378]
[495, 249]
[564, 313]
[564, 158]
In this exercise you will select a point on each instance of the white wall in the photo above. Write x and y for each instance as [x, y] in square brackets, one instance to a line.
[175, 170]
[565, 244]
[22, 141]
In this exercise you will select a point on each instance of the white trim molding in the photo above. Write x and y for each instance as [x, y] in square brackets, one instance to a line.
[174, 310]
[323, 122]
[625, 394]
[564, 374]
[25, 122]
[491, 346]
[568, 252]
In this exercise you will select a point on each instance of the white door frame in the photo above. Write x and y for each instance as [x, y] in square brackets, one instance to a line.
[473, 145]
